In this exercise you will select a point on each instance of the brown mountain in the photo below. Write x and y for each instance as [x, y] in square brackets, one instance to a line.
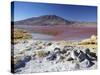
[44, 20]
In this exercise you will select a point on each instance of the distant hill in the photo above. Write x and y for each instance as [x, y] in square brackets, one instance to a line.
[44, 20]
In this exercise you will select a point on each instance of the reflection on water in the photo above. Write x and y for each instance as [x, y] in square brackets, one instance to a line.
[40, 36]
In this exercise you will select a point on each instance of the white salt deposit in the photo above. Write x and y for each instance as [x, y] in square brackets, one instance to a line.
[29, 48]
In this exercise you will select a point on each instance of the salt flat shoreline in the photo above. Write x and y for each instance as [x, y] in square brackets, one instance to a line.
[36, 55]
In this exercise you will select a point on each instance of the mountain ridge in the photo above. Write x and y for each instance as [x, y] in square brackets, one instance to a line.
[44, 20]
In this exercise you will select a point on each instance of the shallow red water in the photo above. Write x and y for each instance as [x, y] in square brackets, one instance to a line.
[64, 32]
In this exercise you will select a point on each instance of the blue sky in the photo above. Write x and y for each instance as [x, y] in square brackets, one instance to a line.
[24, 10]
